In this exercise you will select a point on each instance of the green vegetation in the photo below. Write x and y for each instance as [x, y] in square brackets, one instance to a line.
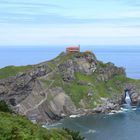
[76, 92]
[75, 135]
[79, 92]
[88, 90]
[4, 107]
[99, 89]
[118, 82]
[50, 97]
[45, 82]
[103, 65]
[51, 65]
[63, 57]
[15, 127]
[58, 80]
[13, 70]
[112, 88]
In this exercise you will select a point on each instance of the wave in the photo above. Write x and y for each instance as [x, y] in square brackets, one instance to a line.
[52, 125]
[123, 110]
[90, 131]
[75, 116]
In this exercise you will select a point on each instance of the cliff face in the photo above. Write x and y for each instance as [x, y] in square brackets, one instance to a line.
[28, 93]
[51, 90]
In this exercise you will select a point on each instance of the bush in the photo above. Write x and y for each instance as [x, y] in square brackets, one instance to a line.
[4, 107]
[16, 127]
[75, 134]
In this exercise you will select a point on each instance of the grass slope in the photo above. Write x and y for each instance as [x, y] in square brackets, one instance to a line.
[13, 70]
[14, 127]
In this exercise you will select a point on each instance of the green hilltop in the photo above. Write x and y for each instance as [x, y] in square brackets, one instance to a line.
[107, 81]
[71, 83]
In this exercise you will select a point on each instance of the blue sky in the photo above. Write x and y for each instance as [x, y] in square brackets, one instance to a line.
[64, 22]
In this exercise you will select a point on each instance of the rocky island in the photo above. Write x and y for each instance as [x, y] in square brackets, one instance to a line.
[70, 84]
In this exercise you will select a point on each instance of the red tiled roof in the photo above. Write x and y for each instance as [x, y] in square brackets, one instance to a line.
[72, 47]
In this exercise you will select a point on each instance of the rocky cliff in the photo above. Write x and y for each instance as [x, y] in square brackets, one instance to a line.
[68, 84]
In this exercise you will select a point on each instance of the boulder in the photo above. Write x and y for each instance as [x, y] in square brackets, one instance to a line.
[135, 98]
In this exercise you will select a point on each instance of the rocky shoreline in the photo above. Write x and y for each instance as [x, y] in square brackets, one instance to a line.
[102, 109]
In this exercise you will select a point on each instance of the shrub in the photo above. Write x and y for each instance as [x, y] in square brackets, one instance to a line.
[75, 134]
[4, 107]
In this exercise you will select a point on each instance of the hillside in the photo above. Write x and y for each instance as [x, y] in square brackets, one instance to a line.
[69, 84]
[16, 127]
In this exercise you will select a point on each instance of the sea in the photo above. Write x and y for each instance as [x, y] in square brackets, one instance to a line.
[124, 125]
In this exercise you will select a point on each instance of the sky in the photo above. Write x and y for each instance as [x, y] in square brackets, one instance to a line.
[64, 22]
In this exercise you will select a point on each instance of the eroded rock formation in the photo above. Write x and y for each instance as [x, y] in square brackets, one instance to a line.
[63, 86]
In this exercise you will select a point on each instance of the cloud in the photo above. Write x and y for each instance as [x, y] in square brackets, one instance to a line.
[42, 12]
[133, 3]
[50, 18]
[84, 21]
[67, 34]
[30, 4]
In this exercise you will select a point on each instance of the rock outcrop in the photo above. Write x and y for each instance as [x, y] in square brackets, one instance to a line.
[52, 90]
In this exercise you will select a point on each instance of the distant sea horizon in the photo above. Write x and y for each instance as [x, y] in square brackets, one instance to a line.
[122, 56]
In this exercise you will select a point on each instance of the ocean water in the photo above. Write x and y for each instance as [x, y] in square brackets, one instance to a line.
[121, 126]
[124, 125]
[123, 56]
